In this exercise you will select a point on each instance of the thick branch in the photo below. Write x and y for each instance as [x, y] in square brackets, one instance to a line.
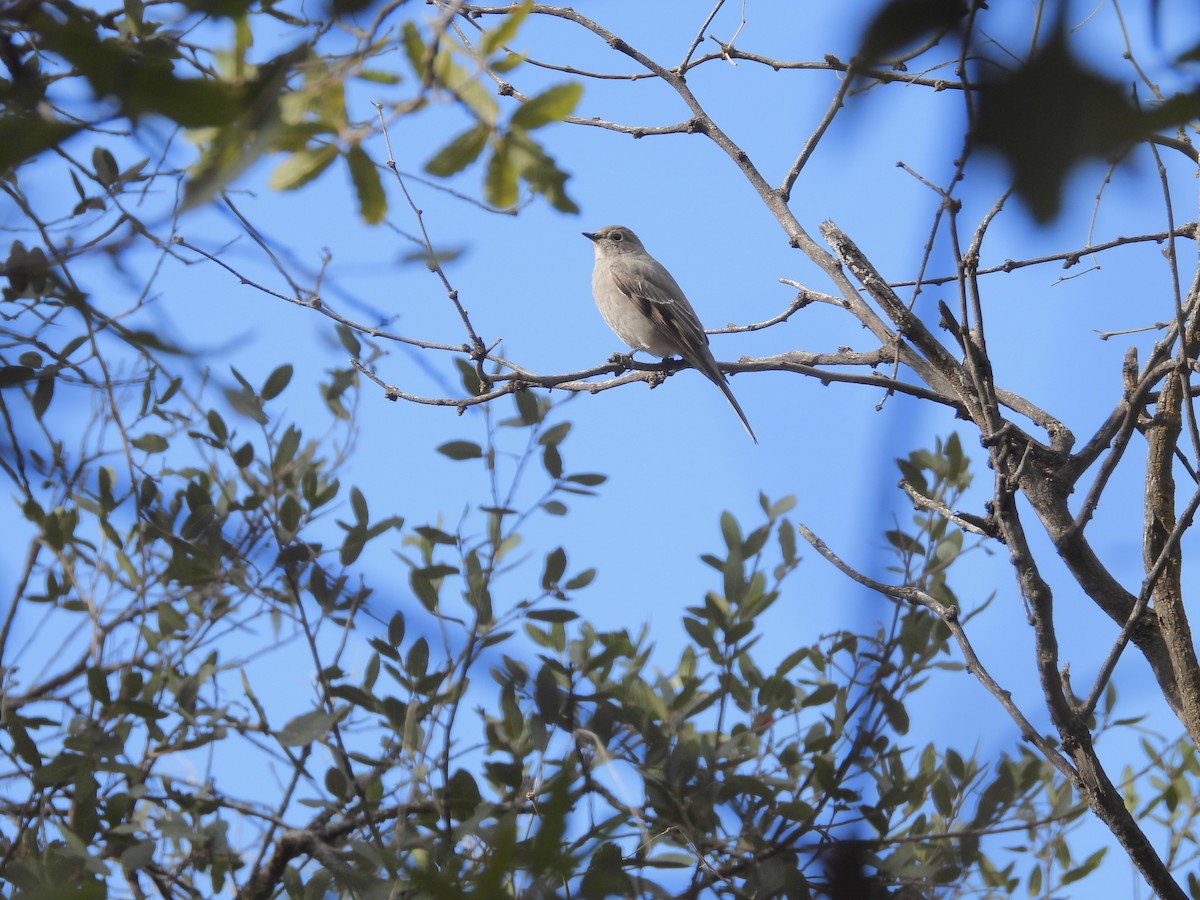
[1162, 435]
[1092, 781]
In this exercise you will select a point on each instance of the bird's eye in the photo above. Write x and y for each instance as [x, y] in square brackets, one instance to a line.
[617, 236]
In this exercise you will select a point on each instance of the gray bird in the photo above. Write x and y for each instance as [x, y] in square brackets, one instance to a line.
[645, 306]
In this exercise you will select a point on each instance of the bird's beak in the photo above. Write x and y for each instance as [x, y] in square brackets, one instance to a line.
[591, 235]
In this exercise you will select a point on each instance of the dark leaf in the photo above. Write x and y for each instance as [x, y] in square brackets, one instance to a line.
[1049, 116]
[26, 135]
[902, 23]
[276, 382]
[107, 172]
[461, 450]
[42, 395]
[527, 407]
[556, 564]
[14, 375]
[557, 616]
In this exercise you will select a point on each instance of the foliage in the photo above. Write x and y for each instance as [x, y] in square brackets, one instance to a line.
[451, 759]
[140, 62]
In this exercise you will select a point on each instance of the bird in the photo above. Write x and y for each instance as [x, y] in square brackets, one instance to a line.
[647, 308]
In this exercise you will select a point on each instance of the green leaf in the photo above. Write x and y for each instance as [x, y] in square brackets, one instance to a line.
[1088, 866]
[539, 170]
[285, 452]
[460, 152]
[247, 404]
[500, 183]
[349, 340]
[823, 694]
[414, 47]
[505, 31]
[372, 201]
[731, 532]
[466, 87]
[139, 82]
[787, 541]
[150, 443]
[528, 407]
[782, 507]
[949, 548]
[700, 633]
[306, 728]
[552, 105]
[169, 619]
[470, 378]
[302, 167]
[555, 435]
[582, 580]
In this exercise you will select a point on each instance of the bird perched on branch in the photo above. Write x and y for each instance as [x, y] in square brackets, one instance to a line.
[647, 309]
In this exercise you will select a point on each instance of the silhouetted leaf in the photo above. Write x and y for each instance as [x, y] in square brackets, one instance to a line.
[900, 24]
[276, 382]
[461, 450]
[26, 135]
[1050, 115]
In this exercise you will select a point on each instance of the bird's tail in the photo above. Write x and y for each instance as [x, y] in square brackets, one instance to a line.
[706, 363]
[737, 407]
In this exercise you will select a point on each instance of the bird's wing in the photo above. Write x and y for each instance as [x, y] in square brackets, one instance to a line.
[660, 299]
